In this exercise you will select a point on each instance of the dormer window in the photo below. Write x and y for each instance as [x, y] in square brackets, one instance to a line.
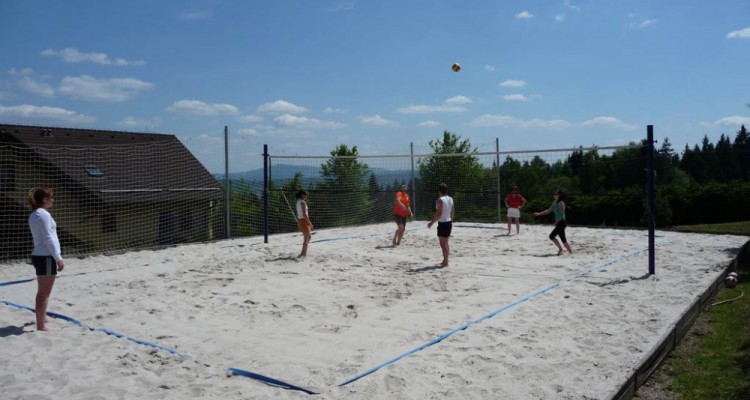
[93, 170]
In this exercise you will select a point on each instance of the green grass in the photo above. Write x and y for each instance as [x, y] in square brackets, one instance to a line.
[730, 228]
[712, 362]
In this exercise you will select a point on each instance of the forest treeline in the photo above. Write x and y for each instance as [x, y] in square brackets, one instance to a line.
[706, 183]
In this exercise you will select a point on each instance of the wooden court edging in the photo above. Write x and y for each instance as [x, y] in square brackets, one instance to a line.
[678, 330]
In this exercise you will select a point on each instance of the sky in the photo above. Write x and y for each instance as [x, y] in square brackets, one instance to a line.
[304, 76]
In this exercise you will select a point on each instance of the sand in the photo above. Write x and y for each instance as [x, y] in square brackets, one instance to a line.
[517, 321]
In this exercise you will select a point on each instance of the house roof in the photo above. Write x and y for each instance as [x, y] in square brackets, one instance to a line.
[118, 166]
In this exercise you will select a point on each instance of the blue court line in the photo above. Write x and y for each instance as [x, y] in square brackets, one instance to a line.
[234, 371]
[58, 276]
[488, 316]
[107, 331]
[269, 381]
[15, 282]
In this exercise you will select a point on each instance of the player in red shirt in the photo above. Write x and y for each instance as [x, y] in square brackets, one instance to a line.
[401, 210]
[514, 201]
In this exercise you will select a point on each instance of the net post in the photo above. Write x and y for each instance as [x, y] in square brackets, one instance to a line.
[650, 201]
[227, 187]
[499, 195]
[265, 193]
[413, 188]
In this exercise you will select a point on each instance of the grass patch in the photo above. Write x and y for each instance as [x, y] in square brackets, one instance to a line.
[712, 362]
[729, 228]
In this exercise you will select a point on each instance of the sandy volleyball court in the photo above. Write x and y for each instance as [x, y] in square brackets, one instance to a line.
[537, 326]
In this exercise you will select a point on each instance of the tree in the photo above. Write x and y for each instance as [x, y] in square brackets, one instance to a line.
[454, 165]
[344, 188]
[742, 151]
[727, 159]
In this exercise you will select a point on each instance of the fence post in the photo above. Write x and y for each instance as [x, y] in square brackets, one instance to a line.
[651, 212]
[227, 185]
[499, 195]
[265, 193]
[413, 188]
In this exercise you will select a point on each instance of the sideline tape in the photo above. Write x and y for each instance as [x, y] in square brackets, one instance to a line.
[234, 371]
[59, 276]
[107, 331]
[488, 316]
[15, 282]
[269, 381]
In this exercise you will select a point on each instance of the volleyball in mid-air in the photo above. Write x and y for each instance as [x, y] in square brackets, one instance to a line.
[456, 67]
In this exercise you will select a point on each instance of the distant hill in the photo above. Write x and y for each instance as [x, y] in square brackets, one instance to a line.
[282, 173]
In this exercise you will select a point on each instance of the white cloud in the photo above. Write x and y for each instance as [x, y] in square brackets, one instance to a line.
[36, 87]
[248, 132]
[306, 123]
[26, 81]
[451, 105]
[113, 90]
[73, 55]
[640, 22]
[428, 124]
[196, 107]
[571, 6]
[37, 113]
[489, 120]
[194, 15]
[513, 83]
[458, 100]
[524, 15]
[376, 120]
[734, 120]
[281, 107]
[250, 119]
[489, 68]
[343, 6]
[609, 122]
[739, 34]
[427, 109]
[139, 122]
[516, 97]
[560, 17]
[331, 110]
[646, 22]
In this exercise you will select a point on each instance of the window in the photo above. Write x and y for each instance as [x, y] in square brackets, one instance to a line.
[93, 170]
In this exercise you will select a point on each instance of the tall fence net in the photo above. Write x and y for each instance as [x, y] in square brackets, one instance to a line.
[104, 205]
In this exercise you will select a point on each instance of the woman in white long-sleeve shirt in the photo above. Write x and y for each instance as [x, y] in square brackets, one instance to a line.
[46, 256]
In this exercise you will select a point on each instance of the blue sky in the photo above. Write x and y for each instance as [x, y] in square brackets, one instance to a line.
[304, 76]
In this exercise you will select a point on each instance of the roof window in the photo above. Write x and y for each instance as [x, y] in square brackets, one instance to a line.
[93, 170]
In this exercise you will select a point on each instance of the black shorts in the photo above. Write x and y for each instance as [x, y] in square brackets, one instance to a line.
[44, 265]
[400, 220]
[444, 229]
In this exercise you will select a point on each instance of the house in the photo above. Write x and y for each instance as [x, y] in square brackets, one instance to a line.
[113, 190]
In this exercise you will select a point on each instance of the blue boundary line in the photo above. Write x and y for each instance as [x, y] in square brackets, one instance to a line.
[233, 371]
[269, 381]
[488, 316]
[15, 282]
[107, 331]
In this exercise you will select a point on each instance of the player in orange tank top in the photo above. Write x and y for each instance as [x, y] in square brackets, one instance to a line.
[401, 210]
